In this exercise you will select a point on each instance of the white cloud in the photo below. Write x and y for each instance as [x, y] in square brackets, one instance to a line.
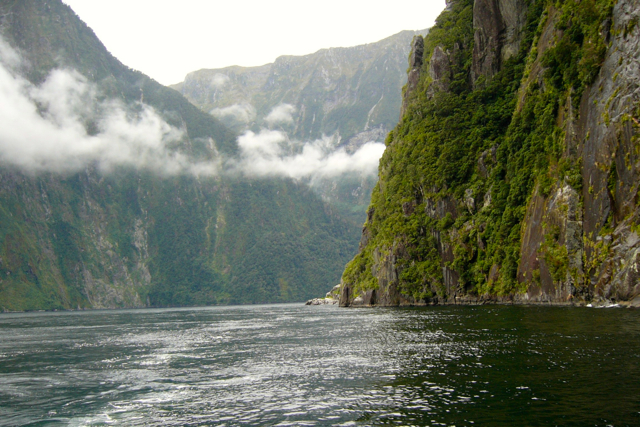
[267, 144]
[243, 113]
[281, 114]
[8, 56]
[45, 128]
[63, 126]
[268, 153]
[219, 80]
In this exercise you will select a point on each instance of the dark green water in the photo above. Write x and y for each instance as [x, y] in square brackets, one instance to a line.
[299, 365]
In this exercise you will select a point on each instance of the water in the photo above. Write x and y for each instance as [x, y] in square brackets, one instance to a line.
[321, 366]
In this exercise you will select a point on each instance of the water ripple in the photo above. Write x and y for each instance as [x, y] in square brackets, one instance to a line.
[319, 366]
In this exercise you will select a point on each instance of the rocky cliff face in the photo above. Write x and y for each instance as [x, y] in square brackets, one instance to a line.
[416, 59]
[594, 230]
[498, 26]
[513, 178]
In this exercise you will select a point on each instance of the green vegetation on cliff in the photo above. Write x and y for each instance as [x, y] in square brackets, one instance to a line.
[461, 170]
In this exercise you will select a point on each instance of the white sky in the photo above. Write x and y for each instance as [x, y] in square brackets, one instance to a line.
[168, 39]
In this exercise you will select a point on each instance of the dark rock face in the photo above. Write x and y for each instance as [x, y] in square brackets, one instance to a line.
[601, 247]
[551, 225]
[415, 65]
[439, 71]
[498, 26]
[438, 210]
[513, 14]
[345, 296]
[489, 28]
[608, 116]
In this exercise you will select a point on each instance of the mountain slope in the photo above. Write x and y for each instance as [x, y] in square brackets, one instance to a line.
[346, 97]
[342, 91]
[48, 35]
[116, 195]
[513, 174]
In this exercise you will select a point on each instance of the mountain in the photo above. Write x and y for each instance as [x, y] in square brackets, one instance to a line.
[513, 173]
[354, 92]
[116, 191]
[350, 96]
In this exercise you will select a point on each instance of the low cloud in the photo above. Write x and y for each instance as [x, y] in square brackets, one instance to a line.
[64, 125]
[270, 153]
[281, 114]
[8, 56]
[243, 113]
[218, 80]
[61, 126]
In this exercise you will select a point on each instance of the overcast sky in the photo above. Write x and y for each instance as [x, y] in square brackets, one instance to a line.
[168, 39]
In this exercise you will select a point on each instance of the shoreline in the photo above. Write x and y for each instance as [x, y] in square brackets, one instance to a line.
[623, 304]
[359, 302]
[177, 307]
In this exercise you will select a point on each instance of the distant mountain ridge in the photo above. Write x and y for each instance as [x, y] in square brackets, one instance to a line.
[347, 96]
[343, 91]
[155, 225]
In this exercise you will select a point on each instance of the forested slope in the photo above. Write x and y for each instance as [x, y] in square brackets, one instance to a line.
[114, 190]
[513, 174]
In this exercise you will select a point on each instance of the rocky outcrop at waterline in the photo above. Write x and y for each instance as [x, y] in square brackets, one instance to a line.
[332, 298]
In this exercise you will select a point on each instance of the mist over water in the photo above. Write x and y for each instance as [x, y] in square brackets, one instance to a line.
[299, 365]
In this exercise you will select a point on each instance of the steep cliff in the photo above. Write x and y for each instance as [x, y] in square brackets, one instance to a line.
[112, 192]
[513, 175]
